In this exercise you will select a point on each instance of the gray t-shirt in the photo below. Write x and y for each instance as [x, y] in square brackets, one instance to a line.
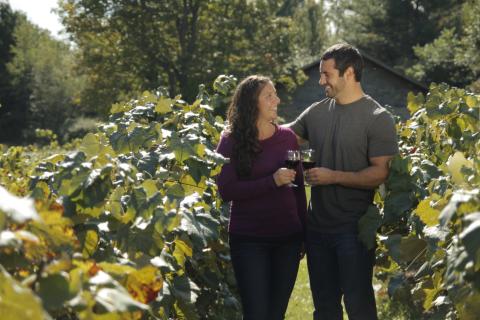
[344, 138]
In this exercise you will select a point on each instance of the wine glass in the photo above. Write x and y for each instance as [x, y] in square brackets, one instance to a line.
[292, 161]
[308, 160]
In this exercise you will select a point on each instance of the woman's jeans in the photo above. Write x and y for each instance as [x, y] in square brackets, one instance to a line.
[339, 264]
[265, 274]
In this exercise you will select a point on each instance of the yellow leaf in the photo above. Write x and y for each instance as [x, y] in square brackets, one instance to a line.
[17, 301]
[431, 294]
[163, 106]
[190, 186]
[471, 101]
[427, 214]
[90, 244]
[182, 250]
[184, 247]
[150, 187]
[200, 149]
[144, 284]
[455, 164]
[116, 269]
[90, 145]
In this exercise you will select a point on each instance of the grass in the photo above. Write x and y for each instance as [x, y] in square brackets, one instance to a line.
[300, 306]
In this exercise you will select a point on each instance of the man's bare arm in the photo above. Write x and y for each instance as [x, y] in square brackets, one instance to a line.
[300, 140]
[368, 178]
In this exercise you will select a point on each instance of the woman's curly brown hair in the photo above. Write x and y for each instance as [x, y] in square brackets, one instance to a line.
[242, 118]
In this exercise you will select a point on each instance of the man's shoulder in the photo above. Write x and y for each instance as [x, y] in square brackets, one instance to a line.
[375, 108]
[320, 106]
[324, 103]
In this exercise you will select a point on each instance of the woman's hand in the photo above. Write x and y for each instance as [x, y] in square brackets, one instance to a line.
[284, 176]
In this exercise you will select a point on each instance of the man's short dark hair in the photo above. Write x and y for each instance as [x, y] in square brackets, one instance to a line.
[345, 56]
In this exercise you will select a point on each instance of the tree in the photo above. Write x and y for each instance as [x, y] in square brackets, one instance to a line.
[42, 82]
[390, 29]
[130, 46]
[8, 20]
[311, 29]
[453, 56]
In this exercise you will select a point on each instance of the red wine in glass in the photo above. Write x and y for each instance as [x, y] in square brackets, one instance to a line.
[292, 164]
[307, 164]
[292, 161]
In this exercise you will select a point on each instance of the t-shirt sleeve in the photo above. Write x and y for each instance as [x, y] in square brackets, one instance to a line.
[382, 136]
[299, 126]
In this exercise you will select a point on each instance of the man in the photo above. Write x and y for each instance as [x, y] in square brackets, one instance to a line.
[354, 139]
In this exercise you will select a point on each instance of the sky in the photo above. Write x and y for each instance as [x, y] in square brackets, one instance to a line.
[40, 13]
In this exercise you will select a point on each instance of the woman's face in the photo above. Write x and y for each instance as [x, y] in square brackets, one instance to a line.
[267, 103]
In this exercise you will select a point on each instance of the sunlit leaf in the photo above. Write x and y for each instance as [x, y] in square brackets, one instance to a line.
[18, 302]
[455, 164]
[427, 214]
[163, 105]
[17, 209]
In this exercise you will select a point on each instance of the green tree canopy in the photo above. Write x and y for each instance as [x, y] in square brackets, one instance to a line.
[389, 29]
[129, 46]
[453, 56]
[7, 24]
[42, 81]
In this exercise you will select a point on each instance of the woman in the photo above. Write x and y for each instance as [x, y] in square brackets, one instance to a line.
[267, 215]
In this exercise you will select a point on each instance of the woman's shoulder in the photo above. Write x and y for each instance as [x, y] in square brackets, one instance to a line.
[286, 132]
[226, 142]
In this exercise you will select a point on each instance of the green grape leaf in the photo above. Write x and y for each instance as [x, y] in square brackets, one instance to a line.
[471, 239]
[368, 226]
[18, 302]
[90, 145]
[54, 291]
[405, 249]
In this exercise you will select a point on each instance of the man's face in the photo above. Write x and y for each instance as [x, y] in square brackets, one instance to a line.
[330, 78]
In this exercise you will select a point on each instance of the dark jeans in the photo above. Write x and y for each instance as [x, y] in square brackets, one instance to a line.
[265, 273]
[339, 264]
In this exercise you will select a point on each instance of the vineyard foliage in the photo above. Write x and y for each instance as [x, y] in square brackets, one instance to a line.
[428, 211]
[127, 223]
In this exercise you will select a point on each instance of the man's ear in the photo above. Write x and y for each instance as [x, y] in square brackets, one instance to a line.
[350, 73]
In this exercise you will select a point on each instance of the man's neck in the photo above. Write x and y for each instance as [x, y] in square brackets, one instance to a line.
[351, 94]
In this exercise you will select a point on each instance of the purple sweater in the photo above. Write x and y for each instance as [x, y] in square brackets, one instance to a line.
[258, 207]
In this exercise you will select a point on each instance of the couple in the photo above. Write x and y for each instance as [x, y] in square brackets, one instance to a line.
[354, 139]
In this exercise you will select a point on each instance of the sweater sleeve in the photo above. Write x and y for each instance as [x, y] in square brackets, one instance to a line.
[230, 187]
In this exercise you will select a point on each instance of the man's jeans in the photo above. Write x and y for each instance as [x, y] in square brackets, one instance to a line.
[265, 274]
[339, 264]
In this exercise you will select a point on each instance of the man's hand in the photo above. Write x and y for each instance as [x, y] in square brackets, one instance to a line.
[368, 178]
[320, 176]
